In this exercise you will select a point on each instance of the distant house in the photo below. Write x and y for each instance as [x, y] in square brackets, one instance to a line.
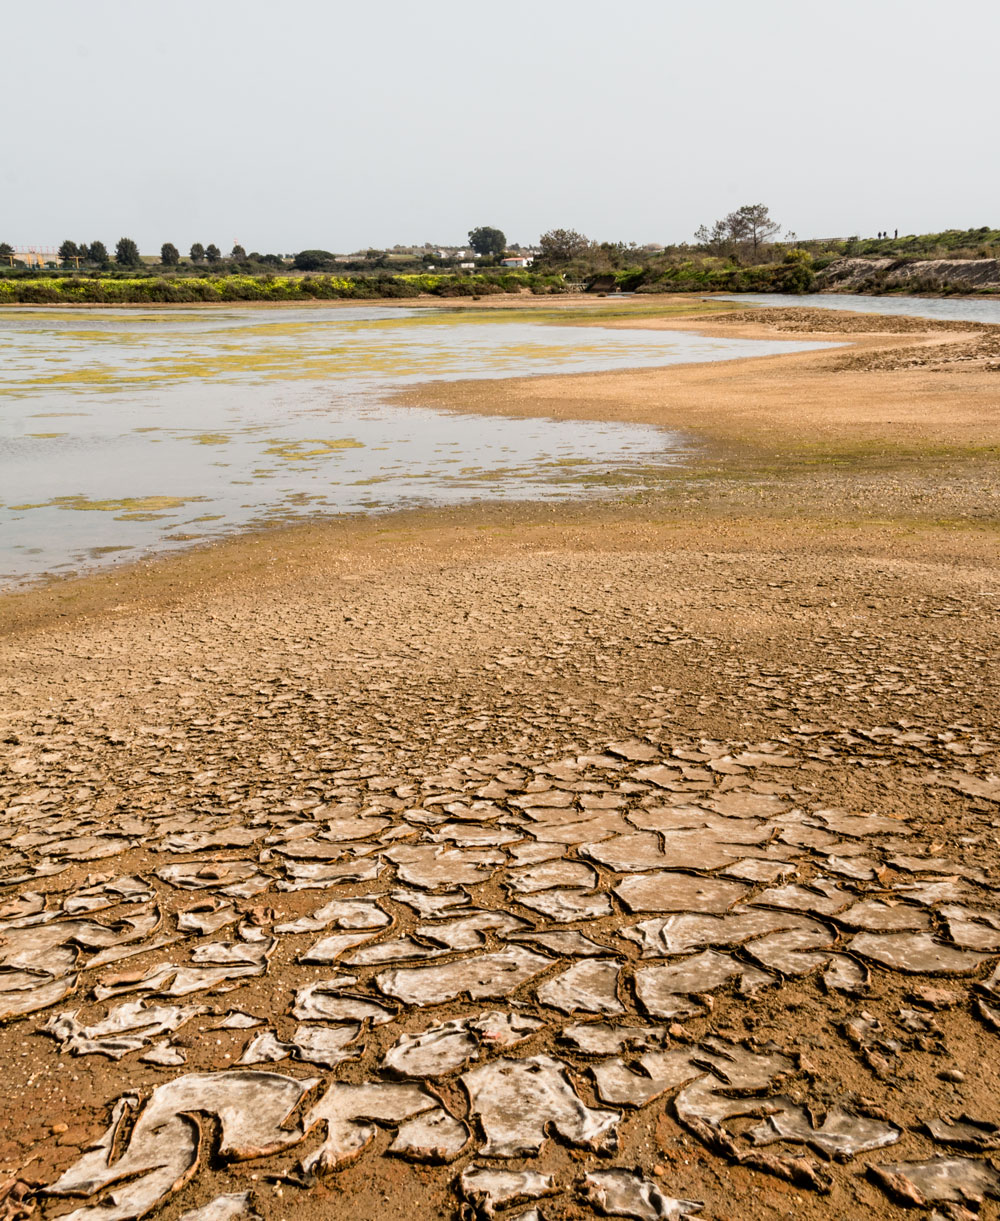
[518, 260]
[466, 266]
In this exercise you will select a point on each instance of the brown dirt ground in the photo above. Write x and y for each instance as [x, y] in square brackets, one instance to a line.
[823, 578]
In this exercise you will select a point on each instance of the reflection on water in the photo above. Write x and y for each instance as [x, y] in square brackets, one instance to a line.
[127, 432]
[960, 310]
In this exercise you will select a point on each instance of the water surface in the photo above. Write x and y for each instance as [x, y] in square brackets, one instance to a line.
[963, 309]
[127, 432]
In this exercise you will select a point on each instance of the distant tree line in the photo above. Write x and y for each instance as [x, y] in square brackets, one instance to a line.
[95, 255]
[741, 251]
[741, 235]
[87, 254]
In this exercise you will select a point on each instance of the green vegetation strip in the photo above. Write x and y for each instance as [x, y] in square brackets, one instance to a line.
[128, 290]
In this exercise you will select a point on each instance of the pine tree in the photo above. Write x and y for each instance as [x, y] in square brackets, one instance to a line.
[127, 253]
[99, 255]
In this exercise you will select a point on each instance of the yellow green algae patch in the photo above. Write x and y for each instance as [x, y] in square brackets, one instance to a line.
[43, 436]
[297, 451]
[299, 349]
[135, 508]
[211, 438]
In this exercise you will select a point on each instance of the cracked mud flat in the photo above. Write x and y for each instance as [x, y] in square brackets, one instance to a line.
[590, 871]
[476, 916]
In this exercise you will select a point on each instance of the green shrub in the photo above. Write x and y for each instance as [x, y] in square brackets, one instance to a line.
[121, 288]
[38, 293]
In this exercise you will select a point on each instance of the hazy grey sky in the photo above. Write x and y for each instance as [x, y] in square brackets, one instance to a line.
[297, 123]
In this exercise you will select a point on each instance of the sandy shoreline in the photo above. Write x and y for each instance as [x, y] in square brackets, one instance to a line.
[775, 401]
[769, 686]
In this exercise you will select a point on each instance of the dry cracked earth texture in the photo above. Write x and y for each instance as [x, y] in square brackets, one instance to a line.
[640, 882]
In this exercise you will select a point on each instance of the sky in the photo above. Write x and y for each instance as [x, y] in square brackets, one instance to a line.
[292, 124]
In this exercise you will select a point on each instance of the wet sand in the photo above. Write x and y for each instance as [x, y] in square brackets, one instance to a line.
[787, 408]
[738, 734]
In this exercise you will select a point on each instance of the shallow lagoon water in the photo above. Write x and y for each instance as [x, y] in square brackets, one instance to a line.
[128, 432]
[960, 309]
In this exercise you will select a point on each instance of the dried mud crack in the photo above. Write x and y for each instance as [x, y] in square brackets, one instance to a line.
[637, 861]
[559, 885]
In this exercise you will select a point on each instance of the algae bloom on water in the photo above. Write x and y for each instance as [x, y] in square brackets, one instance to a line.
[265, 416]
[298, 451]
[136, 508]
